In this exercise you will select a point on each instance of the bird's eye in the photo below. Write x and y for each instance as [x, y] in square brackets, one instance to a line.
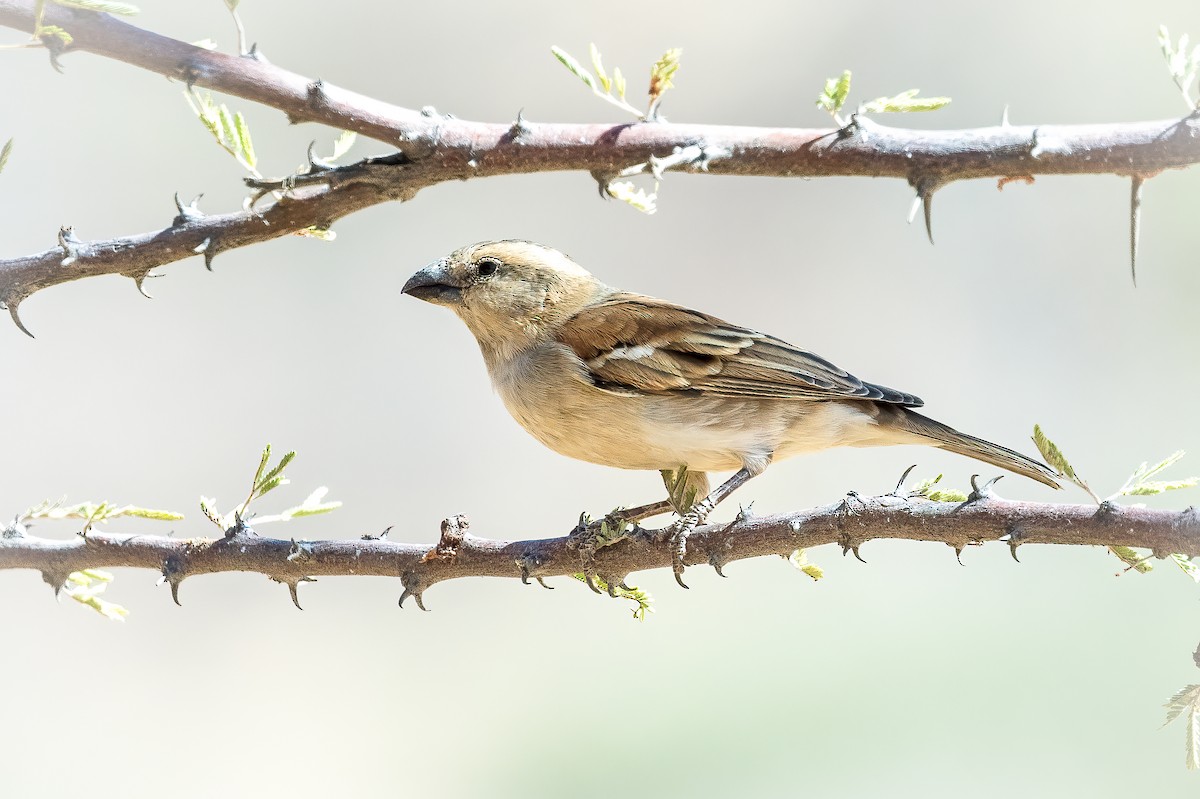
[488, 266]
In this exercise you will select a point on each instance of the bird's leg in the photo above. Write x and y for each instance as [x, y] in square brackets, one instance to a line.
[696, 516]
[643, 512]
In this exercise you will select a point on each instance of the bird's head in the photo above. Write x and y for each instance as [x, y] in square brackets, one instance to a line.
[510, 294]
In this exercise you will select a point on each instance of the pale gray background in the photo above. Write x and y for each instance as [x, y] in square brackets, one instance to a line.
[911, 676]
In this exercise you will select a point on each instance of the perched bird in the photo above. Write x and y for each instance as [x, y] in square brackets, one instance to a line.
[634, 382]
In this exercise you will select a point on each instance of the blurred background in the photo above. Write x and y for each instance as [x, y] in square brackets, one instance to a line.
[909, 676]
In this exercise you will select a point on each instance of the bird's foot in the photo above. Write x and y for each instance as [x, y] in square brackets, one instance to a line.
[678, 534]
[589, 536]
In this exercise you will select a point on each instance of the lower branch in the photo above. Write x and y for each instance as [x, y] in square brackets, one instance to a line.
[849, 523]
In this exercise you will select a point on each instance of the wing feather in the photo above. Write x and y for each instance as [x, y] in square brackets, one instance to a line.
[635, 344]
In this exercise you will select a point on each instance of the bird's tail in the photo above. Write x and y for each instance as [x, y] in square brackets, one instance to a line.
[950, 439]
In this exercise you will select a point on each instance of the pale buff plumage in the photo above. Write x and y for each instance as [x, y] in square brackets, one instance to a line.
[633, 382]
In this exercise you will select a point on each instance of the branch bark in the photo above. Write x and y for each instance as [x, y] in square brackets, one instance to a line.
[437, 148]
[457, 554]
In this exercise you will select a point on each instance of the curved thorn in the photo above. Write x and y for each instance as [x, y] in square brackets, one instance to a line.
[403, 596]
[716, 564]
[958, 550]
[542, 583]
[927, 202]
[1012, 548]
[178, 204]
[904, 477]
[854, 549]
[210, 252]
[16, 317]
[1135, 222]
[420, 602]
[679, 578]
[524, 575]
[591, 583]
[175, 591]
[140, 282]
[293, 590]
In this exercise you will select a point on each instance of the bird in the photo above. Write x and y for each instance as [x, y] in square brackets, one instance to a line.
[630, 381]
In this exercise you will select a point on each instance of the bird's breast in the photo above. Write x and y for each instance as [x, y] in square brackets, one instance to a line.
[548, 391]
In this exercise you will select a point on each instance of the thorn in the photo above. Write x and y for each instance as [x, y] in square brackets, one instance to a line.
[1014, 541]
[519, 126]
[979, 492]
[602, 181]
[209, 252]
[958, 550]
[380, 537]
[315, 163]
[187, 213]
[16, 317]
[294, 586]
[716, 563]
[55, 580]
[316, 92]
[524, 573]
[903, 478]
[1135, 222]
[175, 592]
[542, 583]
[589, 578]
[744, 515]
[412, 588]
[69, 243]
[1004, 123]
[851, 546]
[140, 282]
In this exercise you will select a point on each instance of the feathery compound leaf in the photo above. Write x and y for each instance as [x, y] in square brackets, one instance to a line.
[835, 93]
[904, 102]
[343, 143]
[5, 152]
[1135, 561]
[1139, 485]
[1052, 454]
[85, 588]
[245, 145]
[663, 71]
[800, 560]
[598, 65]
[568, 61]
[100, 6]
[1187, 700]
[619, 82]
[626, 192]
[1190, 568]
[926, 489]
[643, 601]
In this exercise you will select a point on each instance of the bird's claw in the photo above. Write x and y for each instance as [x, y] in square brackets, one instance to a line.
[678, 535]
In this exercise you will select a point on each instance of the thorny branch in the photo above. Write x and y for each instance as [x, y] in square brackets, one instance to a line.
[436, 148]
[850, 523]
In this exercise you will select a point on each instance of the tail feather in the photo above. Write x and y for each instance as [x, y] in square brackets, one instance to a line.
[950, 439]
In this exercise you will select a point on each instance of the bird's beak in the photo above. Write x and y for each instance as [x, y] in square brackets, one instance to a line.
[435, 284]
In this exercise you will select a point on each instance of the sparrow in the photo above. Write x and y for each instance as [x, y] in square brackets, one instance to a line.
[633, 382]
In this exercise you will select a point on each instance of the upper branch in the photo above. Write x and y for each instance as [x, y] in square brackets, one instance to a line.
[437, 148]
[458, 554]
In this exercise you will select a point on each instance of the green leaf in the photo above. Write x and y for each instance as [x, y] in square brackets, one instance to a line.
[568, 61]
[343, 143]
[1187, 700]
[904, 102]
[800, 561]
[5, 152]
[85, 588]
[245, 145]
[626, 192]
[619, 82]
[55, 30]
[1190, 568]
[1139, 485]
[663, 72]
[834, 95]
[1135, 561]
[926, 489]
[1053, 454]
[643, 601]
[287, 458]
[317, 232]
[101, 6]
[598, 65]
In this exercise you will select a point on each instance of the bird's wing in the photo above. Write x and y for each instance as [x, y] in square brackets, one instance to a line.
[635, 344]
